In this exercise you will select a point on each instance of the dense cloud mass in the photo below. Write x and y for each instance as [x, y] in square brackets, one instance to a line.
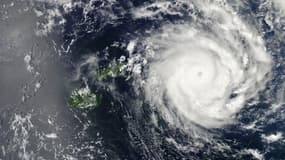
[208, 69]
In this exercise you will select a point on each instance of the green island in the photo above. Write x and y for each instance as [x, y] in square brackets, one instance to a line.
[113, 71]
[84, 98]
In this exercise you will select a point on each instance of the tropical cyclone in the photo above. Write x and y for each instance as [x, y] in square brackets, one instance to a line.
[205, 71]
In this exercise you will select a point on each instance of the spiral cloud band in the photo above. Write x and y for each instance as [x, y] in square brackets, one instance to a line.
[204, 72]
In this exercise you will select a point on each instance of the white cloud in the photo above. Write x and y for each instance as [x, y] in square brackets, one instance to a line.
[273, 137]
[280, 4]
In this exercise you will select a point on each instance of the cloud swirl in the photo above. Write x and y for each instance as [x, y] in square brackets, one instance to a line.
[204, 72]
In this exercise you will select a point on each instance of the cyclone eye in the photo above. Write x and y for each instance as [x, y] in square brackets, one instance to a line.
[199, 73]
[233, 95]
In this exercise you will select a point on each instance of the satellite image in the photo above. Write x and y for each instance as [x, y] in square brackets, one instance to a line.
[142, 79]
